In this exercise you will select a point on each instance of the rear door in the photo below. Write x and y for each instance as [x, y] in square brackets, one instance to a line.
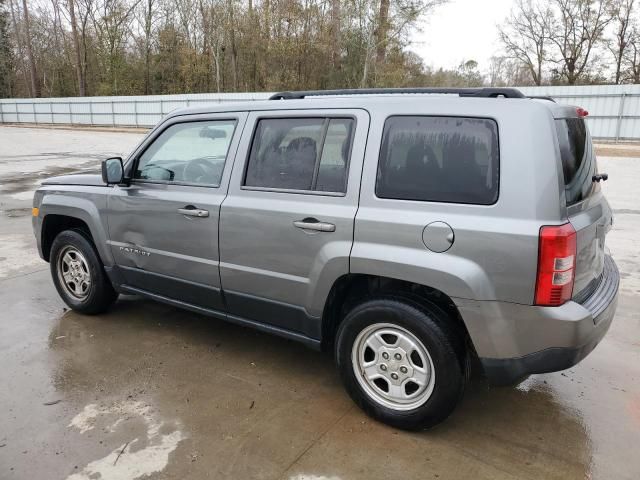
[286, 226]
[587, 208]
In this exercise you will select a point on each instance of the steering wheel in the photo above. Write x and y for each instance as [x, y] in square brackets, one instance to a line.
[199, 170]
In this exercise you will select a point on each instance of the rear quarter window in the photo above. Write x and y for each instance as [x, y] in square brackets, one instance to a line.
[578, 159]
[439, 159]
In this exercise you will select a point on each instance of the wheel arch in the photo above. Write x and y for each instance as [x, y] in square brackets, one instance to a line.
[72, 213]
[350, 289]
[54, 224]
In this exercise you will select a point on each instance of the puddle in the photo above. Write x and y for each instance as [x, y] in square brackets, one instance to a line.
[26, 195]
[139, 457]
[21, 182]
[17, 212]
[17, 253]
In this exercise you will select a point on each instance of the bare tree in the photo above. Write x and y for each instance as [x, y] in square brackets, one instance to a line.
[496, 71]
[390, 22]
[336, 32]
[18, 36]
[6, 54]
[381, 31]
[168, 46]
[622, 15]
[576, 30]
[526, 35]
[82, 85]
[147, 12]
[231, 29]
[35, 82]
[632, 56]
[111, 22]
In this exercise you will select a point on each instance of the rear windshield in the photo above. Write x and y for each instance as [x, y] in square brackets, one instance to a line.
[578, 158]
[439, 159]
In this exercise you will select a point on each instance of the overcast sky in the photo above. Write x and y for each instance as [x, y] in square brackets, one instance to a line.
[461, 30]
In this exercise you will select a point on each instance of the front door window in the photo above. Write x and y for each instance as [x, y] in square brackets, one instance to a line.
[188, 153]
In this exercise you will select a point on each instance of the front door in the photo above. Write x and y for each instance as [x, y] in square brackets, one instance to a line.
[286, 226]
[163, 228]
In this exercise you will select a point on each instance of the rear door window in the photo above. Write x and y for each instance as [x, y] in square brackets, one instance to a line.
[300, 154]
[439, 159]
[332, 173]
[578, 159]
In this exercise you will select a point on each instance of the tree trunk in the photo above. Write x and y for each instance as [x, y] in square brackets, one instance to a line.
[147, 47]
[76, 46]
[383, 28]
[618, 68]
[365, 69]
[336, 34]
[216, 60]
[35, 84]
[20, 48]
[206, 48]
[234, 48]
[571, 71]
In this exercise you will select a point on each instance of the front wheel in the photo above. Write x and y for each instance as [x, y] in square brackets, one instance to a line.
[78, 274]
[401, 363]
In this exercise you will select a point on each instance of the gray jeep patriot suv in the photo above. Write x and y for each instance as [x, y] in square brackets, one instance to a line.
[411, 231]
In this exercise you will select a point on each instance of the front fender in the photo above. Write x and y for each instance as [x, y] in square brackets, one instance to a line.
[84, 208]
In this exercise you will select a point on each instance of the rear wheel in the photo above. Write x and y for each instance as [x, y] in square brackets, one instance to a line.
[401, 362]
[78, 273]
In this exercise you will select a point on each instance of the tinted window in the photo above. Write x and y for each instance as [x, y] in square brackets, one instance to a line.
[578, 158]
[192, 152]
[332, 174]
[300, 154]
[439, 159]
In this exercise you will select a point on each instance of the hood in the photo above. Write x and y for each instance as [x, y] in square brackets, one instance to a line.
[78, 179]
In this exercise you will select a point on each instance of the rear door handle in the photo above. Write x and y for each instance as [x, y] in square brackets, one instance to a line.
[314, 224]
[192, 211]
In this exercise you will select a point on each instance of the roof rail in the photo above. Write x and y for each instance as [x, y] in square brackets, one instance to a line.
[487, 92]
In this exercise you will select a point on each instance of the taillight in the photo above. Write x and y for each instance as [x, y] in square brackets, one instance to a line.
[556, 264]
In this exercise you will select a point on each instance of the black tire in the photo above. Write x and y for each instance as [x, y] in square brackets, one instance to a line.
[431, 326]
[100, 294]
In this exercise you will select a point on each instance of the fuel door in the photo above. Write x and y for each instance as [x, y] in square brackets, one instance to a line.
[438, 237]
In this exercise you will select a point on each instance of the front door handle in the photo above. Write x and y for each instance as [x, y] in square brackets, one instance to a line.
[314, 224]
[192, 211]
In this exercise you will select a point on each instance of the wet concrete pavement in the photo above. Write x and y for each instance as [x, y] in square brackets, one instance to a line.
[151, 390]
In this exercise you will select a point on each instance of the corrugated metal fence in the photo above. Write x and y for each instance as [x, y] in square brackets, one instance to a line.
[614, 110]
[134, 111]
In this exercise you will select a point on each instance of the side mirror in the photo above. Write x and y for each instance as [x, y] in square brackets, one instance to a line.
[112, 171]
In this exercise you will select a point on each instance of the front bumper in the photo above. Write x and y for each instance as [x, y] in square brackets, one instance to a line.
[514, 341]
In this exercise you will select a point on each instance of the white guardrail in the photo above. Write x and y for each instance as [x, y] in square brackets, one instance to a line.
[614, 110]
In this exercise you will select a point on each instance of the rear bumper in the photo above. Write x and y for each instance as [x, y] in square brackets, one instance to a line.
[519, 340]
